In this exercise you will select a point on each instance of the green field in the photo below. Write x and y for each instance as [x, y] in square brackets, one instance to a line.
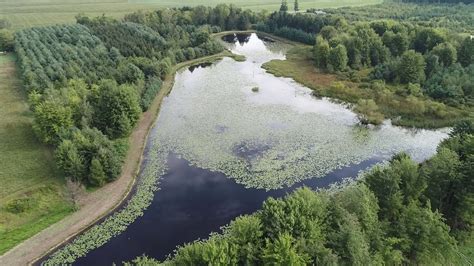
[27, 13]
[32, 194]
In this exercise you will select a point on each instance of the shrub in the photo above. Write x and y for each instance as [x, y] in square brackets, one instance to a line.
[368, 112]
[152, 87]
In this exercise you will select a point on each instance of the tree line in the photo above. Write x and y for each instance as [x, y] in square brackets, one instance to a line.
[89, 82]
[399, 213]
[402, 53]
[434, 1]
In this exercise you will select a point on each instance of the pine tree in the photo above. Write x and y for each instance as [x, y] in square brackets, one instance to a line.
[284, 6]
[337, 59]
[297, 7]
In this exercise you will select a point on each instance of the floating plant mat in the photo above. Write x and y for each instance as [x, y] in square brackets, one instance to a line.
[275, 136]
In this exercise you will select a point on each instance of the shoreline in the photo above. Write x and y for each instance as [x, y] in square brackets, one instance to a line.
[104, 201]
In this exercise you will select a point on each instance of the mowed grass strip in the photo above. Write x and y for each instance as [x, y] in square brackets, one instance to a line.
[28, 13]
[32, 194]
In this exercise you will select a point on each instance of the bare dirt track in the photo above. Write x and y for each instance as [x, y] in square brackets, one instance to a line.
[97, 204]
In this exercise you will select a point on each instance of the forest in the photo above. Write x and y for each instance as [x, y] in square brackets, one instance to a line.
[398, 213]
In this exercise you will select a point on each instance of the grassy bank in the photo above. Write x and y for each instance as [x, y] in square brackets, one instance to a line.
[28, 13]
[32, 194]
[389, 102]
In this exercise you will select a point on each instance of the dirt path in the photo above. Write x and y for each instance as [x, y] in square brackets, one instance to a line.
[101, 202]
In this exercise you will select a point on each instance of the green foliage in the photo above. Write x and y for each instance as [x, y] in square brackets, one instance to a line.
[6, 40]
[88, 156]
[142, 261]
[295, 35]
[129, 73]
[20, 205]
[425, 238]
[152, 87]
[4, 24]
[281, 251]
[427, 38]
[346, 238]
[337, 59]
[212, 252]
[125, 35]
[298, 27]
[466, 52]
[51, 120]
[446, 52]
[284, 6]
[453, 85]
[412, 67]
[462, 128]
[116, 108]
[450, 189]
[413, 89]
[400, 49]
[97, 174]
[246, 233]
[321, 53]
[368, 112]
[70, 161]
[397, 43]
[49, 56]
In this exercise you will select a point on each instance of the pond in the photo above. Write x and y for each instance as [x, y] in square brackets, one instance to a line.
[230, 135]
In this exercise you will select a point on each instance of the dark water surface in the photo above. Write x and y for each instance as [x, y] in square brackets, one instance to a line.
[190, 204]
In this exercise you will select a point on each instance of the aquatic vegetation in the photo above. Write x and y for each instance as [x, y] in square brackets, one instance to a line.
[239, 58]
[112, 226]
[276, 137]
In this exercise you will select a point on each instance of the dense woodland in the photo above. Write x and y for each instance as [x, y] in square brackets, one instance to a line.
[433, 63]
[399, 213]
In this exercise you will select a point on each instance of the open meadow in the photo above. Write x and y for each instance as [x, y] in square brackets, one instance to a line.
[33, 194]
[28, 13]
